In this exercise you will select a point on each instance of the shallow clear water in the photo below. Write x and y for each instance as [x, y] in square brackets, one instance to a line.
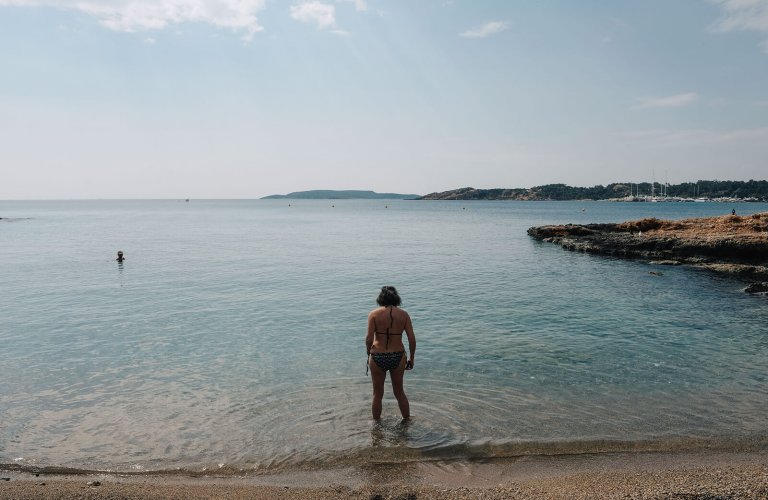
[232, 335]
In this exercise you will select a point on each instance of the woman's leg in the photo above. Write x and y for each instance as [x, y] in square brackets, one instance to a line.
[397, 388]
[378, 376]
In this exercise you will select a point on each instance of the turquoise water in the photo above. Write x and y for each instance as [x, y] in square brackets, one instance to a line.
[231, 338]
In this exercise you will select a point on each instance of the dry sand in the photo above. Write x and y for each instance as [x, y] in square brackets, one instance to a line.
[702, 475]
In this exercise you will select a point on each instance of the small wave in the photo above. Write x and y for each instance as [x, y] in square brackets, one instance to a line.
[397, 455]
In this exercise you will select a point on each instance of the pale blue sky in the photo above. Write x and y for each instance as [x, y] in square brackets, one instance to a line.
[241, 99]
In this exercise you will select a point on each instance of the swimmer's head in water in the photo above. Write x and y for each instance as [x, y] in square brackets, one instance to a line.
[388, 297]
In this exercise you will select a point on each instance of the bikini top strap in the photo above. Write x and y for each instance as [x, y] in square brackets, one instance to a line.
[391, 324]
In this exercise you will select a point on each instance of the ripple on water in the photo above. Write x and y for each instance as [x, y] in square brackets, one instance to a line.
[183, 358]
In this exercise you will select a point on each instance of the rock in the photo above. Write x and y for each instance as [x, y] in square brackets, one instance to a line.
[5, 478]
[656, 273]
[729, 244]
[759, 287]
[94, 483]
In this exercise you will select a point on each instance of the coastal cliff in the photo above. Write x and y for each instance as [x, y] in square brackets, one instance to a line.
[729, 244]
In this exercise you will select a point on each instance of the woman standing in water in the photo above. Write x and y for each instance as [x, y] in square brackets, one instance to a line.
[386, 352]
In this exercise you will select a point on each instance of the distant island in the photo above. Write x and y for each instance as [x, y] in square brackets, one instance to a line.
[329, 194]
[627, 191]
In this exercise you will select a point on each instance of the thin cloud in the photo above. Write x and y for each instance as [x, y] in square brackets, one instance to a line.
[486, 30]
[138, 15]
[645, 134]
[321, 14]
[615, 28]
[663, 137]
[673, 101]
[743, 15]
[360, 5]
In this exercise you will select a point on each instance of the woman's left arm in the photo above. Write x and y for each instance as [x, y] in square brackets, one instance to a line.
[411, 340]
[369, 334]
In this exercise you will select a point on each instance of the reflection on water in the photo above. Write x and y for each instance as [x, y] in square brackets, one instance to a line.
[248, 351]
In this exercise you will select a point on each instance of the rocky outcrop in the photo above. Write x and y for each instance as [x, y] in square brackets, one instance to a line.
[729, 244]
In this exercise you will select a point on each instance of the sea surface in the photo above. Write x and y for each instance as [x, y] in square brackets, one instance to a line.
[232, 337]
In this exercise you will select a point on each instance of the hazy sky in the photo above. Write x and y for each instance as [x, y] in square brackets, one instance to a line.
[245, 98]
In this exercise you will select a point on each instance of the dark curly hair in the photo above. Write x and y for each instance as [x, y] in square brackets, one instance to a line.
[388, 297]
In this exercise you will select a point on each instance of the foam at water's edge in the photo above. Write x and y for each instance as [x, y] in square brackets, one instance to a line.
[396, 456]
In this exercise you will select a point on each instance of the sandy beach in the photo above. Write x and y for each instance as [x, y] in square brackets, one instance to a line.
[689, 475]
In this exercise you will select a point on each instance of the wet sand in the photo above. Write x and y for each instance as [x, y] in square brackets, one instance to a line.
[690, 475]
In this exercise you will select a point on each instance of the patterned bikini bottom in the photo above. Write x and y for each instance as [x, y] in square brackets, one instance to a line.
[387, 360]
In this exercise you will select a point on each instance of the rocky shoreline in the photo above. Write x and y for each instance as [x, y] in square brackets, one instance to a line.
[731, 244]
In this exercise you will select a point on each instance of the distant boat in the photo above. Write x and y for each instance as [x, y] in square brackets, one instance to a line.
[187, 200]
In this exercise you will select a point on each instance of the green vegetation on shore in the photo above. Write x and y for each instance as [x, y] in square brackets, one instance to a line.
[757, 190]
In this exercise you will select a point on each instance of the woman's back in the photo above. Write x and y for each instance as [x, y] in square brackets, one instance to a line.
[388, 323]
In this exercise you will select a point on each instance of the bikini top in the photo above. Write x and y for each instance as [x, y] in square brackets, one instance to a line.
[387, 333]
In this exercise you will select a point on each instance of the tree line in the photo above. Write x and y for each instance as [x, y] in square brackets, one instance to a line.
[698, 189]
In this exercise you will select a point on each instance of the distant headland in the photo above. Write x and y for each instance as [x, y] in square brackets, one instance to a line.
[627, 191]
[329, 194]
[726, 191]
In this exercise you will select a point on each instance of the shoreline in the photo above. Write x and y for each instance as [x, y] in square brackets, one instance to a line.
[398, 457]
[699, 474]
